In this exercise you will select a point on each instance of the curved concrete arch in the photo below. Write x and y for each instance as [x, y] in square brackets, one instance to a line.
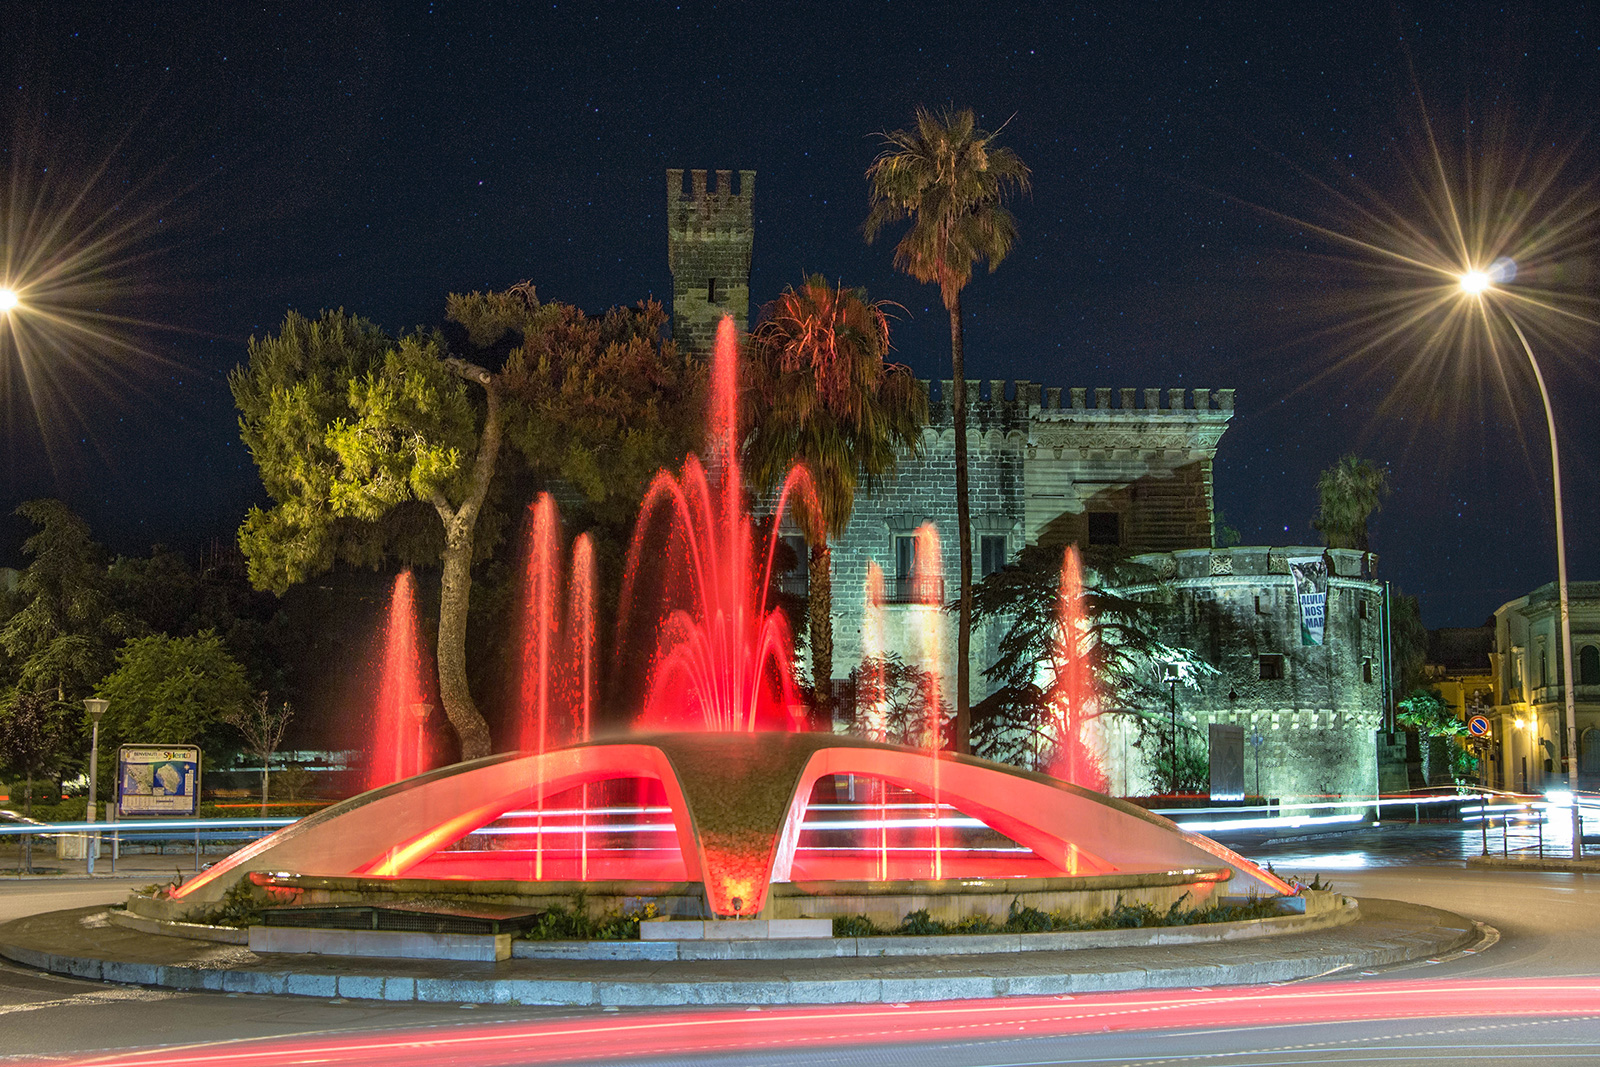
[389, 830]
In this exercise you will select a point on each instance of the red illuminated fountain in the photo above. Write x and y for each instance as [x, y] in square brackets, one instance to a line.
[1072, 692]
[730, 811]
[722, 655]
[400, 747]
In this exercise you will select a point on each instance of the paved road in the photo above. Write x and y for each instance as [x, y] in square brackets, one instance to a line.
[1550, 926]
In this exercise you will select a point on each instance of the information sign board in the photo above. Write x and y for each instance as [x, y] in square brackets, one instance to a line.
[158, 780]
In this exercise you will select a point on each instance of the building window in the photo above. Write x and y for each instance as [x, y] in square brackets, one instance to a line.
[905, 556]
[1366, 668]
[906, 588]
[1271, 668]
[1589, 751]
[1589, 665]
[1105, 528]
[1544, 669]
[1263, 609]
[711, 290]
[991, 553]
[796, 580]
[1364, 607]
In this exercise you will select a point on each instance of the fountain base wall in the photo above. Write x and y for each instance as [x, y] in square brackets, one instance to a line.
[884, 903]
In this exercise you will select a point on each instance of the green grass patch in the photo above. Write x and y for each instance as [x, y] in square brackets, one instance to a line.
[1027, 920]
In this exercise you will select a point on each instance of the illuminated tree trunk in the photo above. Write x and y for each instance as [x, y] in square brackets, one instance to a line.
[455, 579]
[819, 618]
[958, 412]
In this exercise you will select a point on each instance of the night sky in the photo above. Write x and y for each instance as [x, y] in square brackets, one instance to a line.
[229, 162]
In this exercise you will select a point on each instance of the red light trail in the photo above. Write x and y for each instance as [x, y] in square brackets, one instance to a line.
[611, 1036]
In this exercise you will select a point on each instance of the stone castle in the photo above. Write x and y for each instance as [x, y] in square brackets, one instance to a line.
[1127, 469]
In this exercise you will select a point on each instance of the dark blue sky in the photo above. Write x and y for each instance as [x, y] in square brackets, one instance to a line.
[378, 156]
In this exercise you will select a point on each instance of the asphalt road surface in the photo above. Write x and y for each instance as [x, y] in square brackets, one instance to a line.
[1532, 998]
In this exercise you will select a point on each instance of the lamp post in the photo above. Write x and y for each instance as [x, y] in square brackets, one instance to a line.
[1172, 709]
[97, 710]
[421, 710]
[1478, 285]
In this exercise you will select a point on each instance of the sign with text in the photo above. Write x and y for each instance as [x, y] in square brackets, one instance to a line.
[158, 780]
[1311, 589]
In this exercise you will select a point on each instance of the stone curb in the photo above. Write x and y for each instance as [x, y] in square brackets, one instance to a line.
[1403, 933]
[1536, 863]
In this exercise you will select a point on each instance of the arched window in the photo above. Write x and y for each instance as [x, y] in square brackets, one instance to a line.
[1589, 665]
[1589, 751]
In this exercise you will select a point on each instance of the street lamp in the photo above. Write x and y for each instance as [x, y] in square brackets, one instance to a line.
[1479, 285]
[97, 710]
[1172, 706]
[421, 710]
[8, 300]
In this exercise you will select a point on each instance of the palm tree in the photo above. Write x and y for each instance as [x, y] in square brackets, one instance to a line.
[829, 401]
[948, 177]
[1349, 491]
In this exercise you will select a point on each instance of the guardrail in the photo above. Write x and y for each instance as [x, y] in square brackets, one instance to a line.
[140, 832]
[1482, 807]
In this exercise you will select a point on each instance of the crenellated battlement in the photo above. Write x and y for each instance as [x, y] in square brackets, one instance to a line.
[716, 209]
[1019, 398]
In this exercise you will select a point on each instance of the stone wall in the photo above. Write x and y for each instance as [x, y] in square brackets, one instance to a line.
[1037, 468]
[1234, 606]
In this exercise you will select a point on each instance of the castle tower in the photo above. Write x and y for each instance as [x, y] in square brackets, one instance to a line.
[709, 237]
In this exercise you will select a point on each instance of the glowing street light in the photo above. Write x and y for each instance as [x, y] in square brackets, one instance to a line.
[1479, 285]
[9, 299]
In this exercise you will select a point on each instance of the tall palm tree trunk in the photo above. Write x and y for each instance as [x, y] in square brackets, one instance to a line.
[819, 620]
[958, 411]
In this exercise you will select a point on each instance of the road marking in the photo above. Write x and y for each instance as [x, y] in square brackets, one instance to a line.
[101, 996]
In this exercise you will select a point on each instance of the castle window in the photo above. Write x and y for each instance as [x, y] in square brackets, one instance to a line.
[1364, 608]
[796, 580]
[992, 553]
[1366, 668]
[1271, 668]
[711, 290]
[905, 556]
[1259, 609]
[1105, 528]
[906, 588]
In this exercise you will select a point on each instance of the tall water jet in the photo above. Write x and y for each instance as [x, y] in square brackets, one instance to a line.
[400, 745]
[928, 578]
[557, 652]
[873, 695]
[722, 657]
[1072, 691]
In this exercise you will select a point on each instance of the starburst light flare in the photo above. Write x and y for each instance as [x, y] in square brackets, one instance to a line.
[78, 266]
[1395, 271]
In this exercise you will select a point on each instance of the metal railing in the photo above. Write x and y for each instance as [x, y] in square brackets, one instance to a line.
[180, 834]
[914, 589]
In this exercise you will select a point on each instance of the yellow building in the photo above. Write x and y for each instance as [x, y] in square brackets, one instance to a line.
[1460, 669]
[1529, 699]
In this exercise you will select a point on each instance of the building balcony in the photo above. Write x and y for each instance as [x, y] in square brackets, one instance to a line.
[914, 589]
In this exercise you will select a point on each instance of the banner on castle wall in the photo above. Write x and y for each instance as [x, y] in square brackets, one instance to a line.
[1311, 589]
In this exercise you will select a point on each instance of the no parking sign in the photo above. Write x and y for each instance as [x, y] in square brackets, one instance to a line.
[1478, 726]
